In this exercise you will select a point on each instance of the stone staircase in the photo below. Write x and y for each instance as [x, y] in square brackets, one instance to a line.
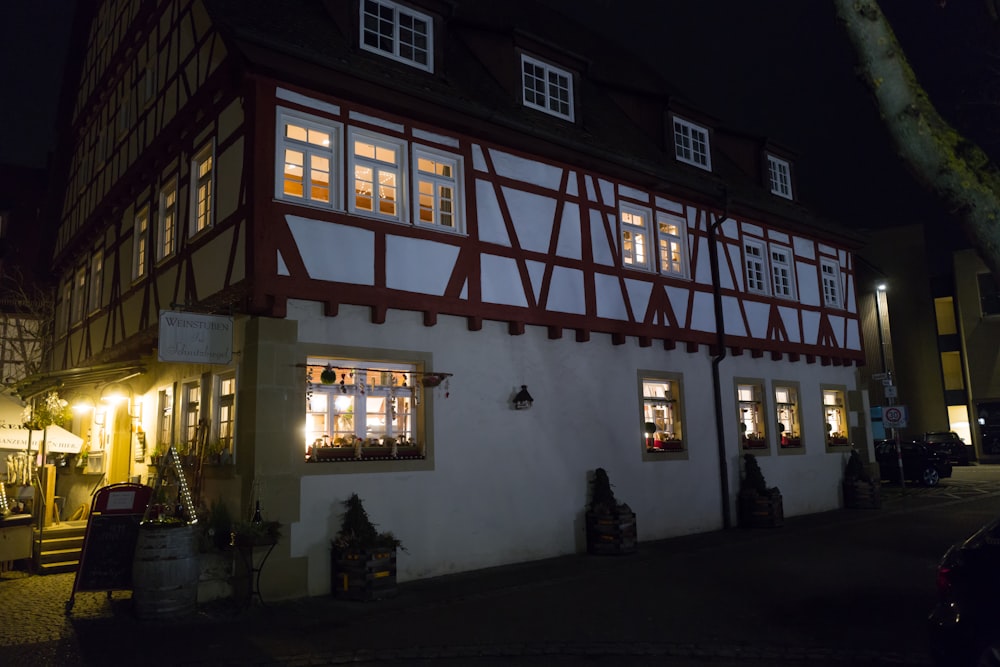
[58, 547]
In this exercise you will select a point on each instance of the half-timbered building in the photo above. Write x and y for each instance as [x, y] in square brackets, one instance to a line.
[408, 217]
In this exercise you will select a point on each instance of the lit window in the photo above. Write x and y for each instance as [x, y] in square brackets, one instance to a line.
[691, 144]
[753, 257]
[546, 87]
[782, 280]
[140, 243]
[398, 32]
[164, 419]
[96, 278]
[786, 406]
[166, 232]
[308, 160]
[831, 283]
[750, 406]
[202, 187]
[635, 237]
[225, 414]
[367, 411]
[661, 414]
[835, 416]
[190, 410]
[671, 239]
[780, 177]
[438, 177]
[376, 164]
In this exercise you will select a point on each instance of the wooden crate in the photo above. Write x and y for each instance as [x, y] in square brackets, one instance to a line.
[611, 534]
[761, 511]
[363, 574]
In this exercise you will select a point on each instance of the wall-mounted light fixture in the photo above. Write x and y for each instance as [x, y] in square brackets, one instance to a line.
[523, 400]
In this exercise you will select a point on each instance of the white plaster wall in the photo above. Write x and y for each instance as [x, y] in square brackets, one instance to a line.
[510, 486]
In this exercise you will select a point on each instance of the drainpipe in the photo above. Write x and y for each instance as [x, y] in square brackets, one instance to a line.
[720, 342]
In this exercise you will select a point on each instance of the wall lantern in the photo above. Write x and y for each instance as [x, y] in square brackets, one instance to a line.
[523, 400]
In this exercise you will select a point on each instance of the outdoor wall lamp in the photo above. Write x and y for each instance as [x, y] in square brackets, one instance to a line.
[83, 405]
[523, 400]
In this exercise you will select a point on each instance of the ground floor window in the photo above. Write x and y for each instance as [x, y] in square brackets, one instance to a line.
[362, 410]
[786, 407]
[752, 425]
[662, 430]
[835, 415]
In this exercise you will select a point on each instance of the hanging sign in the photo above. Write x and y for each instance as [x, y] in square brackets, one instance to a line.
[195, 338]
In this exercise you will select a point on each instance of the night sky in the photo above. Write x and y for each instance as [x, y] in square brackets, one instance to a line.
[777, 68]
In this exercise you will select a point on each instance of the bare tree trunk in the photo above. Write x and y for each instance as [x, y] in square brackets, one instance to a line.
[951, 166]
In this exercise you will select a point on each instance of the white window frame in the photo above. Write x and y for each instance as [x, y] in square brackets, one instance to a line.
[668, 241]
[641, 236]
[140, 243]
[691, 144]
[438, 182]
[829, 271]
[782, 271]
[166, 220]
[755, 266]
[96, 279]
[403, 23]
[378, 167]
[202, 189]
[309, 150]
[164, 418]
[661, 397]
[224, 410]
[779, 176]
[549, 102]
[191, 403]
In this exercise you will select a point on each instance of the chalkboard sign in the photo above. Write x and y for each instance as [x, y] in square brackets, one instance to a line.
[109, 543]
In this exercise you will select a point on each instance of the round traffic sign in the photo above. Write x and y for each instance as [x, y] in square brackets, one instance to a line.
[893, 414]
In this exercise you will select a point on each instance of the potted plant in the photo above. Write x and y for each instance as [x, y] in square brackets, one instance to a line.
[860, 490]
[760, 506]
[611, 528]
[363, 560]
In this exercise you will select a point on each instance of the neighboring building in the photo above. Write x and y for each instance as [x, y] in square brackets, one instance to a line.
[410, 211]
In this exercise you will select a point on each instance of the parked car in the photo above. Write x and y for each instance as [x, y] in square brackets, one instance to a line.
[921, 463]
[964, 626]
[948, 442]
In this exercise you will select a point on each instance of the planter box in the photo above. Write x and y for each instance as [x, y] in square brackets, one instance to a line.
[363, 574]
[760, 511]
[611, 534]
[862, 495]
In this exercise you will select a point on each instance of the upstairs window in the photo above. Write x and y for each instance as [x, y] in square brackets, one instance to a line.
[398, 32]
[546, 88]
[753, 254]
[376, 164]
[96, 278]
[437, 177]
[780, 176]
[202, 189]
[635, 237]
[308, 160]
[166, 232]
[782, 277]
[79, 302]
[164, 418]
[140, 243]
[190, 411]
[830, 273]
[691, 144]
[671, 240]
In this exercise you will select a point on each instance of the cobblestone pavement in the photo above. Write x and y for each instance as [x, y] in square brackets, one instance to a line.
[838, 588]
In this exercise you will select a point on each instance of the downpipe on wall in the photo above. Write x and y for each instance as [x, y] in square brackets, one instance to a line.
[720, 342]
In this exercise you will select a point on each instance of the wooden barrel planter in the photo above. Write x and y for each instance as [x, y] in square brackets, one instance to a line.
[862, 494]
[363, 574]
[758, 510]
[611, 533]
[165, 572]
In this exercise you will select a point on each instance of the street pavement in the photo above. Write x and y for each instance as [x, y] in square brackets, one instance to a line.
[847, 587]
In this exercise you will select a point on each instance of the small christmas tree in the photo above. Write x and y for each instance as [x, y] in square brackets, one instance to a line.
[855, 468]
[358, 532]
[753, 477]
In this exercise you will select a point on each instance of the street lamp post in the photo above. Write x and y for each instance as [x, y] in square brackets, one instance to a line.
[881, 311]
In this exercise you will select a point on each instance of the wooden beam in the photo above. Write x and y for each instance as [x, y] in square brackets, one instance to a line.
[378, 314]
[555, 333]
[475, 323]
[430, 318]
[582, 335]
[515, 328]
[617, 338]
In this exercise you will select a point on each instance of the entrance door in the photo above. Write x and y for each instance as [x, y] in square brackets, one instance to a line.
[119, 466]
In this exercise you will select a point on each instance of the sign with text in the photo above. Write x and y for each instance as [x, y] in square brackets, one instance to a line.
[895, 416]
[195, 338]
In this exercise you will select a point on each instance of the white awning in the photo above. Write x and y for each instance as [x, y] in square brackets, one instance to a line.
[13, 436]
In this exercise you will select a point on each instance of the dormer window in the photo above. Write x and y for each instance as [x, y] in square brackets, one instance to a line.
[780, 175]
[547, 88]
[398, 32]
[691, 144]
